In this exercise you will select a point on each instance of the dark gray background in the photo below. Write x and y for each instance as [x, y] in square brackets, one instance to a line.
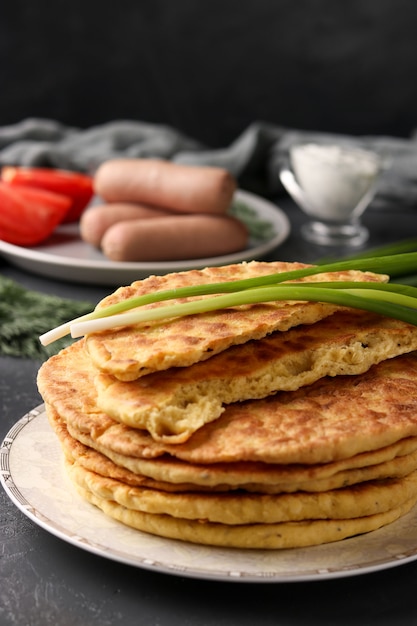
[211, 68]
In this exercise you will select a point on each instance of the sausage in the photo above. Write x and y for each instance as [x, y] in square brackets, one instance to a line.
[184, 188]
[176, 237]
[97, 219]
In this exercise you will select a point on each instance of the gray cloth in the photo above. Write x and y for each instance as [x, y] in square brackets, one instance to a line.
[254, 158]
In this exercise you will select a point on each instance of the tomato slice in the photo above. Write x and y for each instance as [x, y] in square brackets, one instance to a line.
[77, 186]
[29, 215]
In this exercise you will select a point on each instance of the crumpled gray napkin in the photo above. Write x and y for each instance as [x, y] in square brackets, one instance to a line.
[254, 158]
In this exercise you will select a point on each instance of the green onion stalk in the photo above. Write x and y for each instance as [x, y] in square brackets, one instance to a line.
[392, 299]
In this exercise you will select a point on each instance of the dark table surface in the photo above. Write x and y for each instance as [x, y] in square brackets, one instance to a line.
[44, 580]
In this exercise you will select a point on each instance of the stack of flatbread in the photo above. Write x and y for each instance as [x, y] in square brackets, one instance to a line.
[275, 425]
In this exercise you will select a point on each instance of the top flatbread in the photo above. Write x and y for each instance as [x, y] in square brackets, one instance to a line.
[132, 351]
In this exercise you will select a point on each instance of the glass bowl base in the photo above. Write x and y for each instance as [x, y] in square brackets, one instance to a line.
[323, 234]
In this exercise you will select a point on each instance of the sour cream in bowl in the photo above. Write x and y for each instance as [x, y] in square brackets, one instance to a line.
[333, 185]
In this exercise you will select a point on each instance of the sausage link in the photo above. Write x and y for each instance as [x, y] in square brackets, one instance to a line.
[172, 186]
[97, 219]
[172, 238]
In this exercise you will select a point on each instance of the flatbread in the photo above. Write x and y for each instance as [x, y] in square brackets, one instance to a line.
[132, 351]
[169, 474]
[174, 403]
[259, 536]
[332, 419]
[367, 498]
[325, 452]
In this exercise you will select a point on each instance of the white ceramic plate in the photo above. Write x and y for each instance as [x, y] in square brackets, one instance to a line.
[34, 478]
[66, 257]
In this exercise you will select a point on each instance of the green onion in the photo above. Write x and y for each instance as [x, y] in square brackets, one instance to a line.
[385, 302]
[398, 301]
[398, 247]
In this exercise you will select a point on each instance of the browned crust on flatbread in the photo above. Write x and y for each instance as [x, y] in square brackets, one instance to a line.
[169, 474]
[368, 498]
[329, 420]
[174, 403]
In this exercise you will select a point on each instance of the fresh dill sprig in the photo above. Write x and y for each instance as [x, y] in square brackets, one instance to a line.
[24, 314]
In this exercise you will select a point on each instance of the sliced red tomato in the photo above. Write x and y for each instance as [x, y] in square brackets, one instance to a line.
[29, 215]
[77, 186]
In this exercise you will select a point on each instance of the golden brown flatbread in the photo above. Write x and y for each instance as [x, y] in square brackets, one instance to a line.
[136, 350]
[332, 419]
[259, 536]
[169, 474]
[174, 403]
[239, 508]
